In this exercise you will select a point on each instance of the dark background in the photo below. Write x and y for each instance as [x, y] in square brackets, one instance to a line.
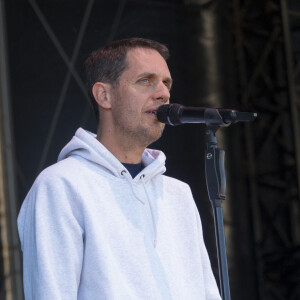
[229, 54]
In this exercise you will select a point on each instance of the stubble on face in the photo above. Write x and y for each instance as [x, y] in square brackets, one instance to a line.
[133, 130]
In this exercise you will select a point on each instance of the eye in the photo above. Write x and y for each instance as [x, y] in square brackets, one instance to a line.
[167, 84]
[144, 80]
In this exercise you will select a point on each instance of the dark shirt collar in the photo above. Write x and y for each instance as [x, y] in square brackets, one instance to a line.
[133, 169]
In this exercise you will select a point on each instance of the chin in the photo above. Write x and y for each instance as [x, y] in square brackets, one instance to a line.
[148, 135]
[154, 136]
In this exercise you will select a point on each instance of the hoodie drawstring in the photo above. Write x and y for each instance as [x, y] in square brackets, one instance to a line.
[151, 210]
[131, 186]
[123, 172]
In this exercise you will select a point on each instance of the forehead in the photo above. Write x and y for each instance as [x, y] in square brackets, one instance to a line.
[143, 60]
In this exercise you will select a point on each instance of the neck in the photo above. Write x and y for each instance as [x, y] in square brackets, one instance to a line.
[124, 151]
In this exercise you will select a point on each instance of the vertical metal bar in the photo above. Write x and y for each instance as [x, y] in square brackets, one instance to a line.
[292, 98]
[254, 199]
[221, 248]
[8, 201]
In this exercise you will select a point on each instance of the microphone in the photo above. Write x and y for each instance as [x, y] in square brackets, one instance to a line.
[176, 114]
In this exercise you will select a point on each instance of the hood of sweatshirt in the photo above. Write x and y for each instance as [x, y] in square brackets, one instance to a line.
[85, 145]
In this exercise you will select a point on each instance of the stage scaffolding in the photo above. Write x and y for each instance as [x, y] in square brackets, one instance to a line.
[266, 37]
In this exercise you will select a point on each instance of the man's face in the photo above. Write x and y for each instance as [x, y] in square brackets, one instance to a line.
[143, 87]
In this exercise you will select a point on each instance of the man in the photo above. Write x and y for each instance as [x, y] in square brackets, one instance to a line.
[103, 222]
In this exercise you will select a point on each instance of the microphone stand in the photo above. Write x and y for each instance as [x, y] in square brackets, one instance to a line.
[216, 186]
[176, 114]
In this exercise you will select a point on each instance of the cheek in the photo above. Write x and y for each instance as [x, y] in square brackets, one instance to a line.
[130, 102]
[133, 105]
[129, 112]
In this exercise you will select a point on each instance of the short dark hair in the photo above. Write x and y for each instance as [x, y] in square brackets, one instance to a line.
[108, 63]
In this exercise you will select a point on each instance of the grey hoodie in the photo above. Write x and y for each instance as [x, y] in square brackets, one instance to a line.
[88, 231]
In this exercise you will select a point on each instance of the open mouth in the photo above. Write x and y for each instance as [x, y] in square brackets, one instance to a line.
[152, 112]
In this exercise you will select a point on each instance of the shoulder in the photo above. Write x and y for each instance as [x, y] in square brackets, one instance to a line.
[54, 191]
[56, 183]
[176, 183]
[62, 169]
[67, 172]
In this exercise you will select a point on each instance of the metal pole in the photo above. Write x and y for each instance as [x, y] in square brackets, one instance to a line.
[221, 249]
[216, 187]
[294, 106]
[8, 202]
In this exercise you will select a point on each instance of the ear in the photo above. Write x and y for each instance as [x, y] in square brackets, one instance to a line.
[101, 92]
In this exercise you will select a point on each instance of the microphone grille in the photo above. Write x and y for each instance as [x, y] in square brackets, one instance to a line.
[169, 114]
[162, 113]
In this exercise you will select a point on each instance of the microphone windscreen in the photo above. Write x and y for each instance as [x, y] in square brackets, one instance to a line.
[162, 113]
[169, 114]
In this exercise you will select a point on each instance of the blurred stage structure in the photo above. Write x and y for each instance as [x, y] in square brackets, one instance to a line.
[267, 47]
[236, 53]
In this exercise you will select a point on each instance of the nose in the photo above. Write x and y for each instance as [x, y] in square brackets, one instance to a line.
[162, 93]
